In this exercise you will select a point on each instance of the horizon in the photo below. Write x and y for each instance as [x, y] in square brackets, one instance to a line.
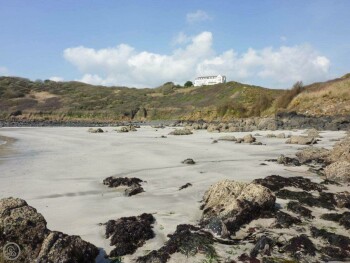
[271, 44]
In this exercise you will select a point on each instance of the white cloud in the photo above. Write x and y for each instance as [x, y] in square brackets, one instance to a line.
[4, 71]
[181, 38]
[57, 79]
[197, 16]
[272, 67]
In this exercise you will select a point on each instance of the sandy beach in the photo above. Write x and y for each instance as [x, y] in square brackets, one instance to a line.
[59, 171]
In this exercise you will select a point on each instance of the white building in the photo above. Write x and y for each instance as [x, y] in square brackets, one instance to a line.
[209, 80]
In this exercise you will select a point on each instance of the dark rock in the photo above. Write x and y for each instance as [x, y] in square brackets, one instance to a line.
[23, 225]
[215, 141]
[300, 244]
[263, 164]
[330, 253]
[248, 259]
[342, 199]
[284, 220]
[188, 161]
[262, 246]
[297, 208]
[133, 190]
[129, 233]
[188, 240]
[185, 186]
[336, 240]
[343, 219]
[97, 130]
[325, 200]
[133, 184]
[288, 161]
[276, 182]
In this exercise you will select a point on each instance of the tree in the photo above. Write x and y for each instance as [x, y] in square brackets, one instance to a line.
[188, 84]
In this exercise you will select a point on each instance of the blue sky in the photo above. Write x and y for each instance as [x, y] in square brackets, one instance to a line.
[146, 43]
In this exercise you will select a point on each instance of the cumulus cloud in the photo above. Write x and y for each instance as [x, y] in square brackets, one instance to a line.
[197, 16]
[57, 79]
[4, 71]
[271, 67]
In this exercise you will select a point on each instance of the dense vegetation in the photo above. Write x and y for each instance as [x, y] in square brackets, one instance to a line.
[25, 99]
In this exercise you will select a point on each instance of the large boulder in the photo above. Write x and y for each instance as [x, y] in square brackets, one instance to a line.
[132, 185]
[338, 171]
[341, 151]
[302, 140]
[228, 205]
[23, 225]
[249, 138]
[313, 154]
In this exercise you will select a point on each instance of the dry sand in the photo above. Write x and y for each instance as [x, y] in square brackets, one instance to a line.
[59, 171]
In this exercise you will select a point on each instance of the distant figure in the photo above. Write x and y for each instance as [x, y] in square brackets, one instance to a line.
[209, 80]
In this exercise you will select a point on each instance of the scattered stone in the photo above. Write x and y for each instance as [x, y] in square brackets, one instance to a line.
[215, 141]
[342, 199]
[129, 233]
[338, 171]
[22, 224]
[239, 140]
[188, 240]
[188, 161]
[288, 161]
[249, 138]
[263, 246]
[185, 186]
[281, 135]
[331, 253]
[263, 164]
[300, 244]
[246, 258]
[228, 205]
[302, 140]
[284, 220]
[128, 128]
[133, 184]
[297, 208]
[181, 132]
[312, 133]
[270, 135]
[276, 183]
[341, 150]
[256, 143]
[97, 130]
[163, 136]
[227, 138]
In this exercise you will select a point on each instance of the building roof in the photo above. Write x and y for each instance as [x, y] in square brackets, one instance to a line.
[208, 77]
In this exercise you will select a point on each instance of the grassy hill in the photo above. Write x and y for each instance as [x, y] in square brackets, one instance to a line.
[48, 100]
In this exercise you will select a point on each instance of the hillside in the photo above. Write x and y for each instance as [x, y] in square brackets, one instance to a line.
[48, 100]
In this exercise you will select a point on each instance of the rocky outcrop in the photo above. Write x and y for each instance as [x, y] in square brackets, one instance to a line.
[129, 233]
[313, 154]
[341, 151]
[249, 138]
[229, 138]
[181, 132]
[228, 205]
[128, 128]
[338, 171]
[23, 225]
[133, 185]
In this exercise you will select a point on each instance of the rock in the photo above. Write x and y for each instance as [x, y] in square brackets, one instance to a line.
[263, 246]
[284, 220]
[163, 136]
[213, 128]
[343, 242]
[180, 132]
[302, 140]
[231, 204]
[276, 183]
[239, 140]
[215, 141]
[281, 135]
[313, 154]
[312, 133]
[343, 219]
[297, 208]
[325, 200]
[287, 161]
[256, 143]
[188, 161]
[188, 240]
[23, 225]
[342, 199]
[270, 135]
[133, 184]
[185, 186]
[246, 258]
[128, 128]
[227, 138]
[97, 130]
[129, 233]
[341, 151]
[249, 138]
[338, 171]
[330, 253]
[300, 244]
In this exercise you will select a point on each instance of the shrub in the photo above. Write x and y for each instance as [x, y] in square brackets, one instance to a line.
[188, 84]
[284, 100]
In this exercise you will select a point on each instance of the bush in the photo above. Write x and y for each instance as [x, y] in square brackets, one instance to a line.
[188, 84]
[284, 100]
